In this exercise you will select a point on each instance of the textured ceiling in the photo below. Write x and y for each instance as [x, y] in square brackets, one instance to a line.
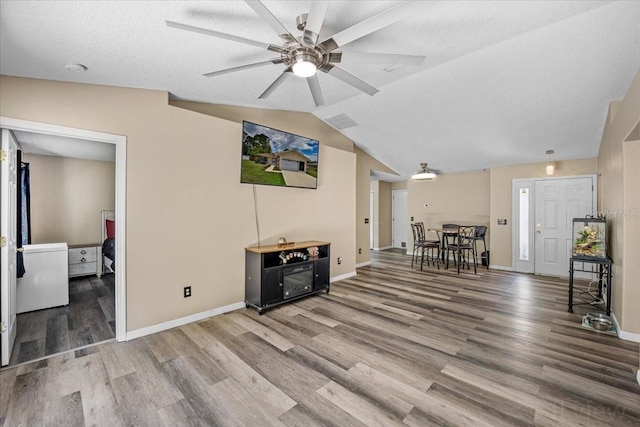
[60, 146]
[502, 81]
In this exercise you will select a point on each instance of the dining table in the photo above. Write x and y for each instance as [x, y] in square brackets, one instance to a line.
[444, 234]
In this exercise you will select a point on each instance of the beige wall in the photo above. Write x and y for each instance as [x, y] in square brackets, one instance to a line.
[618, 182]
[630, 291]
[188, 216]
[398, 185]
[501, 179]
[365, 164]
[308, 125]
[67, 197]
[461, 198]
[304, 124]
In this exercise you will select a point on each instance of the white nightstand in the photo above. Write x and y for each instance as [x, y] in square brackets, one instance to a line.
[85, 260]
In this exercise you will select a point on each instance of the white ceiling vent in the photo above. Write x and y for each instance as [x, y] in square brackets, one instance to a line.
[341, 121]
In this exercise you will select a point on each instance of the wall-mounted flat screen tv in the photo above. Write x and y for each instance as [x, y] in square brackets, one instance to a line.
[274, 157]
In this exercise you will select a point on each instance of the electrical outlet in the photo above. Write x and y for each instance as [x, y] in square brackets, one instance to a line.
[187, 291]
[339, 260]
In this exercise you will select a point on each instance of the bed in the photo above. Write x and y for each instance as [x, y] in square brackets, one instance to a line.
[108, 242]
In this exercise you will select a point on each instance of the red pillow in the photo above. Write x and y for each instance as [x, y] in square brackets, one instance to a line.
[111, 229]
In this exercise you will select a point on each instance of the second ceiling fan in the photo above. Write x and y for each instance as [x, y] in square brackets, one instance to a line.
[304, 56]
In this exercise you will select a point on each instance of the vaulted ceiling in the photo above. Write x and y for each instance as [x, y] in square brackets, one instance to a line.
[501, 82]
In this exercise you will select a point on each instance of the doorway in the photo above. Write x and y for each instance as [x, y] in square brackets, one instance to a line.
[400, 225]
[371, 221]
[542, 216]
[120, 204]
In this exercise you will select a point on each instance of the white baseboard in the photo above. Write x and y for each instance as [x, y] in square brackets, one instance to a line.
[638, 376]
[137, 333]
[382, 248]
[499, 267]
[342, 277]
[628, 336]
[363, 264]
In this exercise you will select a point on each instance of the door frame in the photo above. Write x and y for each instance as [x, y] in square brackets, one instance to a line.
[372, 234]
[120, 142]
[515, 220]
[393, 220]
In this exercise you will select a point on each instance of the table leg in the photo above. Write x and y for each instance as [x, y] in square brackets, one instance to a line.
[600, 275]
[570, 287]
[608, 307]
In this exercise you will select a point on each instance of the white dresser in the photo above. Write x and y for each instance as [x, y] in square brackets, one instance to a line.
[85, 260]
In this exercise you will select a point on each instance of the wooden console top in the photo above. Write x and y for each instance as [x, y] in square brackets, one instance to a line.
[295, 245]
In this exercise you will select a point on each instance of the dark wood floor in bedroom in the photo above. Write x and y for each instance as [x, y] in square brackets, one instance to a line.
[392, 346]
[89, 318]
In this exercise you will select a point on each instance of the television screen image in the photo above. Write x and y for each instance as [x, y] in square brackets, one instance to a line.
[275, 157]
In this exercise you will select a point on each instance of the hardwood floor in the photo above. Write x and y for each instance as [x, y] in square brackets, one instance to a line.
[89, 318]
[392, 346]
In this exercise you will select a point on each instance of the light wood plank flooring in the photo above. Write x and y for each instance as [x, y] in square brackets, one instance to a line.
[392, 346]
[89, 318]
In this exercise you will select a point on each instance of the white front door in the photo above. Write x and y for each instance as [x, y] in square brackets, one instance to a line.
[557, 202]
[399, 218]
[8, 230]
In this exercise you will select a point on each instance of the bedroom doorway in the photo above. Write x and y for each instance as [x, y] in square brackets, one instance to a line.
[80, 136]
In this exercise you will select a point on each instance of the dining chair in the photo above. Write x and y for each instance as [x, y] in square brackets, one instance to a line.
[481, 232]
[464, 248]
[417, 243]
[421, 244]
[449, 235]
[432, 248]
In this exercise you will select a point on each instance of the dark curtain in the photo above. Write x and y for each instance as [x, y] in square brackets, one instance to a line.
[25, 204]
[20, 214]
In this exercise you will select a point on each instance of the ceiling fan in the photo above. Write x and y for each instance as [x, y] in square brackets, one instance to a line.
[425, 174]
[304, 56]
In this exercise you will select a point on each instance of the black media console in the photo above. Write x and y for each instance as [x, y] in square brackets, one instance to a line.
[278, 274]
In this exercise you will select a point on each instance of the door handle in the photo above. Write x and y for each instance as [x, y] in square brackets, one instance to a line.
[538, 228]
[20, 250]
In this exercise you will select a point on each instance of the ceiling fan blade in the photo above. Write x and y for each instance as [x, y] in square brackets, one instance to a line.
[243, 67]
[271, 20]
[316, 92]
[349, 79]
[314, 22]
[226, 36]
[375, 23]
[381, 58]
[276, 83]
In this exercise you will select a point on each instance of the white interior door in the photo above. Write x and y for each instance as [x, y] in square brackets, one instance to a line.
[8, 230]
[399, 218]
[557, 202]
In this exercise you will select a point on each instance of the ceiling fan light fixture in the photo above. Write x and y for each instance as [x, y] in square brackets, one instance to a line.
[550, 167]
[304, 65]
[424, 174]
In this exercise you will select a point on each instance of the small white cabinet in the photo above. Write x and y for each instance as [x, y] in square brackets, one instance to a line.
[85, 260]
